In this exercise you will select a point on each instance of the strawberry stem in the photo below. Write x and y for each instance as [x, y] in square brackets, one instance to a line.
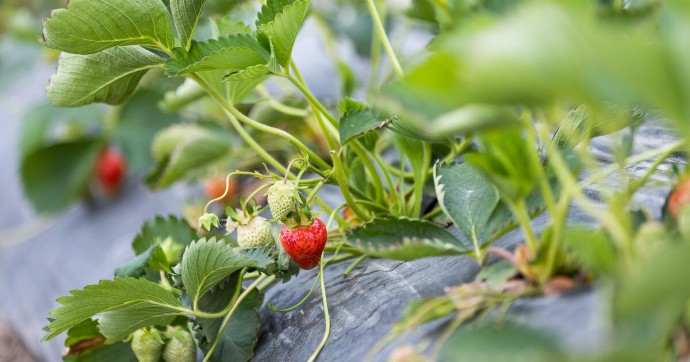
[325, 314]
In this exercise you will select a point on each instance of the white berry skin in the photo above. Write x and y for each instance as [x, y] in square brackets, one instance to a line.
[257, 232]
[283, 197]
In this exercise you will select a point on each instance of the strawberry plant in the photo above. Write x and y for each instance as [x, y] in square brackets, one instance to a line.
[442, 154]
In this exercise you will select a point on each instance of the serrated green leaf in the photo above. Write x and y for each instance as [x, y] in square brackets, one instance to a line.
[124, 305]
[279, 22]
[358, 120]
[232, 53]
[56, 175]
[227, 26]
[89, 26]
[466, 196]
[185, 14]
[182, 148]
[240, 337]
[159, 229]
[109, 76]
[205, 263]
[405, 239]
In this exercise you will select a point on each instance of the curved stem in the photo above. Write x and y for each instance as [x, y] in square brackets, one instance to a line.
[374, 175]
[419, 184]
[238, 127]
[378, 24]
[280, 107]
[325, 315]
[225, 193]
[312, 100]
[283, 310]
[354, 265]
[279, 133]
[315, 191]
[340, 176]
[226, 320]
[256, 191]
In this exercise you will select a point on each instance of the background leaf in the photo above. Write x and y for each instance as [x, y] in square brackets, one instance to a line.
[159, 229]
[89, 26]
[240, 337]
[56, 175]
[109, 76]
[466, 196]
[43, 123]
[185, 14]
[182, 148]
[404, 239]
[125, 305]
[139, 120]
[501, 343]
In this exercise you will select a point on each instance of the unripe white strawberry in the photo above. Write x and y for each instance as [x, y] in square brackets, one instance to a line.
[147, 344]
[180, 347]
[283, 197]
[254, 233]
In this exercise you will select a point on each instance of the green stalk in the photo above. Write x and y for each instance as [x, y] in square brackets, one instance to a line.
[374, 64]
[326, 316]
[238, 127]
[354, 265]
[341, 178]
[419, 184]
[519, 209]
[569, 183]
[313, 157]
[376, 180]
[381, 31]
[312, 100]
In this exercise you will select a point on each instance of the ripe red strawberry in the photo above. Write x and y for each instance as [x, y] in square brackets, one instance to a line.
[215, 187]
[305, 243]
[110, 170]
[679, 198]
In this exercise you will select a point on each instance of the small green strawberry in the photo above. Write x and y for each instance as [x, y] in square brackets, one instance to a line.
[252, 231]
[283, 198]
[147, 344]
[180, 347]
[209, 221]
